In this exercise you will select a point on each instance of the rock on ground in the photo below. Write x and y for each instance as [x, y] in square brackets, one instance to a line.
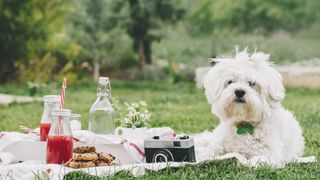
[6, 99]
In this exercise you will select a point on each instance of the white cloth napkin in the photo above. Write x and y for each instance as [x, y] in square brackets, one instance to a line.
[9, 138]
[134, 147]
[7, 158]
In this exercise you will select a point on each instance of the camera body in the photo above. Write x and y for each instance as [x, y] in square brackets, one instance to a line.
[166, 149]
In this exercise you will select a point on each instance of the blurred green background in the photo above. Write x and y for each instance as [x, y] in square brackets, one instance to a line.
[42, 41]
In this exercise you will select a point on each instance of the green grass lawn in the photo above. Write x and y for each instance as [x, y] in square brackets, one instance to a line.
[185, 109]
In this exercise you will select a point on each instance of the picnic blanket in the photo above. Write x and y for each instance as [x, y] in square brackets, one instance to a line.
[32, 169]
[134, 147]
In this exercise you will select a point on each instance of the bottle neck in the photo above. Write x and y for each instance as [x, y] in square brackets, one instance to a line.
[103, 98]
[47, 110]
[60, 126]
[102, 94]
[104, 90]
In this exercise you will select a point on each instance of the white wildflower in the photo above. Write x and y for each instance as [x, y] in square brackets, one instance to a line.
[137, 115]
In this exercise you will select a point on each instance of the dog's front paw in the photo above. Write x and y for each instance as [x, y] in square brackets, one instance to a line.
[258, 160]
[264, 160]
[204, 153]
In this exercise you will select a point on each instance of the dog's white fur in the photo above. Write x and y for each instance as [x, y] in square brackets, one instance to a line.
[277, 137]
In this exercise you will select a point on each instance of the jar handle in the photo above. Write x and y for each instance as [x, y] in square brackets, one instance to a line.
[118, 131]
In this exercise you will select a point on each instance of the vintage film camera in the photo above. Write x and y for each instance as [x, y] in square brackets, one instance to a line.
[166, 149]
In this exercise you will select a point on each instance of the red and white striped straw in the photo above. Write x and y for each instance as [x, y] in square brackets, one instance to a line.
[29, 130]
[63, 92]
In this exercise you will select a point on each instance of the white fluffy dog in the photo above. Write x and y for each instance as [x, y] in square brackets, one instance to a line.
[247, 91]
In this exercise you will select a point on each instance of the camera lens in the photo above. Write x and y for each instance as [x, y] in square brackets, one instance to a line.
[163, 155]
[161, 158]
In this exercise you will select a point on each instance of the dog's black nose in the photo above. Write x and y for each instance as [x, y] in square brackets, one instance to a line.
[239, 93]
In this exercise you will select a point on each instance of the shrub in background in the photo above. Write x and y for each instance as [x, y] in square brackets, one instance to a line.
[37, 70]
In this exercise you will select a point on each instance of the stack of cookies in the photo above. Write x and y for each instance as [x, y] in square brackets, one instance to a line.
[84, 157]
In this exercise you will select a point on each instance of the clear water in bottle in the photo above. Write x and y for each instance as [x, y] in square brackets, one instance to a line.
[101, 122]
[101, 118]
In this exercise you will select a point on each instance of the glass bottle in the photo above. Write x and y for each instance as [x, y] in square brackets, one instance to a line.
[59, 142]
[75, 122]
[50, 102]
[101, 114]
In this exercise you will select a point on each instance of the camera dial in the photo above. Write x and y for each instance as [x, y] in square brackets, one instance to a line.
[156, 137]
[184, 137]
[162, 155]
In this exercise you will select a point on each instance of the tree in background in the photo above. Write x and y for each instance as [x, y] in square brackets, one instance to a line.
[36, 33]
[147, 16]
[15, 33]
[253, 16]
[25, 32]
[92, 24]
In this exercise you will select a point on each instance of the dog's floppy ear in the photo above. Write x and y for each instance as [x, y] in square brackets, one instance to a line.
[213, 85]
[274, 87]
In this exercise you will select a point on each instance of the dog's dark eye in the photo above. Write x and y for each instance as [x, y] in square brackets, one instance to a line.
[251, 83]
[229, 82]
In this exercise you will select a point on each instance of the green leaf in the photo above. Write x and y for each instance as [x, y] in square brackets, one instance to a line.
[245, 128]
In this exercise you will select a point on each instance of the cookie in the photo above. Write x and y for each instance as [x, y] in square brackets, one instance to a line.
[85, 157]
[105, 157]
[81, 164]
[84, 149]
[67, 163]
[102, 163]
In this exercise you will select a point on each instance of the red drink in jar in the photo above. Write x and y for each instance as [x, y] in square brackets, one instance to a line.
[59, 149]
[44, 130]
[51, 102]
[60, 141]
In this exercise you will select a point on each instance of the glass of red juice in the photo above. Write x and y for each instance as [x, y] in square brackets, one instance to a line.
[59, 149]
[44, 131]
[59, 141]
[50, 102]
